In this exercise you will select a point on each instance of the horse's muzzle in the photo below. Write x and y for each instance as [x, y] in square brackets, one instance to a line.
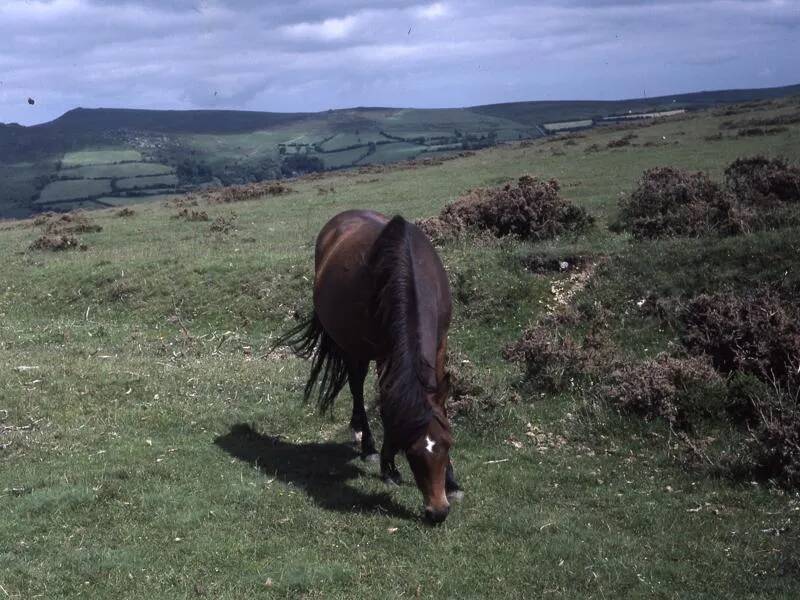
[434, 517]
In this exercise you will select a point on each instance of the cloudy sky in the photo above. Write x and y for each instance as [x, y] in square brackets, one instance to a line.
[303, 55]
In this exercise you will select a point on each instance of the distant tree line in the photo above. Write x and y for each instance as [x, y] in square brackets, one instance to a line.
[300, 164]
[471, 141]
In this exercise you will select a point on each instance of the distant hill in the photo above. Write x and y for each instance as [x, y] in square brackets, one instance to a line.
[100, 157]
[568, 110]
[172, 121]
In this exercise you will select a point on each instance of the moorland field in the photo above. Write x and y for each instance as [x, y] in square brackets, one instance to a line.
[90, 158]
[152, 446]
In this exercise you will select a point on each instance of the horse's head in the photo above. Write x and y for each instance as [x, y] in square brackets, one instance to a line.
[429, 458]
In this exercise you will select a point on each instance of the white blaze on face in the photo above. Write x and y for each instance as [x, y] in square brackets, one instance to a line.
[429, 444]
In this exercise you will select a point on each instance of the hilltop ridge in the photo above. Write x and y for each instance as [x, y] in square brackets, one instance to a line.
[70, 161]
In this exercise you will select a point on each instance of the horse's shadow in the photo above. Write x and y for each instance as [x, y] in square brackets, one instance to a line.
[321, 470]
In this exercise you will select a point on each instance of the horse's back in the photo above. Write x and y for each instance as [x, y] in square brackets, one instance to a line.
[351, 227]
[342, 284]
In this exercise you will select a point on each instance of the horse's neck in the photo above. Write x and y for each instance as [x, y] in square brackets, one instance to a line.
[407, 309]
[425, 328]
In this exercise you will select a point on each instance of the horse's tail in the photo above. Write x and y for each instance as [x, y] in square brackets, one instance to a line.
[308, 339]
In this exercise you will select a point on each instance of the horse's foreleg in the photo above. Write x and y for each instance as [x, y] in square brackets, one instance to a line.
[389, 471]
[451, 487]
[359, 424]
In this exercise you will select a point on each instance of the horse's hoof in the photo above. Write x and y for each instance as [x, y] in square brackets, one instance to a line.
[371, 458]
[391, 481]
[356, 436]
[455, 496]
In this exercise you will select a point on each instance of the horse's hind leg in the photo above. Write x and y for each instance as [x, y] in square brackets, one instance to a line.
[359, 424]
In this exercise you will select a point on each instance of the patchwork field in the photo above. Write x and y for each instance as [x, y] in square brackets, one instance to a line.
[73, 189]
[344, 158]
[100, 157]
[92, 179]
[152, 446]
[388, 153]
[557, 127]
[21, 183]
[114, 171]
[146, 182]
[346, 140]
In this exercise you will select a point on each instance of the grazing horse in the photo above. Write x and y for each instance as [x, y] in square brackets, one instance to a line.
[381, 293]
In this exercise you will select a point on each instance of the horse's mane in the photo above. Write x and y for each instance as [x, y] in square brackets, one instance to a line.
[404, 380]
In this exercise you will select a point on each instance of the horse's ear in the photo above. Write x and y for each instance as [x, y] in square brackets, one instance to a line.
[444, 389]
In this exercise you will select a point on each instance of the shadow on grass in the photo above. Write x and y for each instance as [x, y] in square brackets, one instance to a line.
[320, 470]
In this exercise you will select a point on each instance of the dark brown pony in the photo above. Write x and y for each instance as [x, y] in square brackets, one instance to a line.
[381, 293]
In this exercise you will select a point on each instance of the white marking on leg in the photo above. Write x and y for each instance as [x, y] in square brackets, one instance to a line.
[429, 444]
[357, 435]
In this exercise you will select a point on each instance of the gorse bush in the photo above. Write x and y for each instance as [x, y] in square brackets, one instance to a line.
[240, 193]
[680, 390]
[532, 209]
[755, 334]
[762, 181]
[745, 392]
[469, 392]
[555, 361]
[776, 453]
[60, 229]
[734, 374]
[55, 243]
[552, 360]
[670, 202]
[72, 222]
[224, 224]
[769, 449]
[191, 215]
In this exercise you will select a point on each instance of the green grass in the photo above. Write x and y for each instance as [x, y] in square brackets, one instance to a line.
[345, 158]
[345, 140]
[99, 157]
[554, 127]
[73, 189]
[149, 197]
[114, 171]
[80, 204]
[387, 153]
[126, 474]
[239, 146]
[146, 182]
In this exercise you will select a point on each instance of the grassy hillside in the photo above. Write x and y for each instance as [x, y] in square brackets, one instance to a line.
[151, 447]
[235, 147]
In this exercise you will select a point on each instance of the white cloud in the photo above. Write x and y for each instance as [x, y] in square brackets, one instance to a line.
[432, 11]
[38, 9]
[327, 30]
